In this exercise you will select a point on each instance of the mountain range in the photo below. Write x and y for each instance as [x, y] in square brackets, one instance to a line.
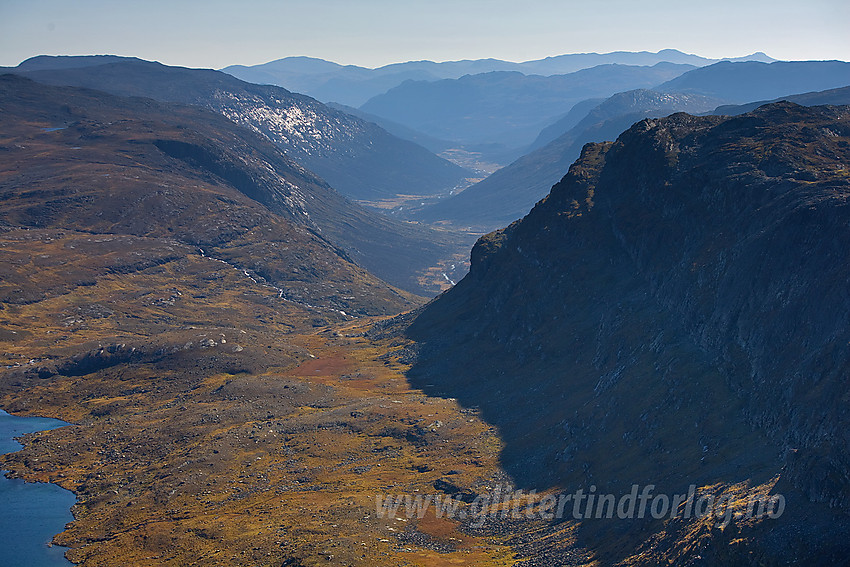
[747, 81]
[252, 374]
[352, 85]
[511, 192]
[496, 200]
[835, 97]
[509, 109]
[358, 158]
[506, 108]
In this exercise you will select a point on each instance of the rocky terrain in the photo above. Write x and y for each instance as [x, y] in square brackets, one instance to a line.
[166, 287]
[674, 312]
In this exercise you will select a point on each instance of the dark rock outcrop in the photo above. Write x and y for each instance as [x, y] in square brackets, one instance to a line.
[674, 312]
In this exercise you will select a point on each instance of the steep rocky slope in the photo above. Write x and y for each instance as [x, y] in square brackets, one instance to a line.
[358, 158]
[673, 313]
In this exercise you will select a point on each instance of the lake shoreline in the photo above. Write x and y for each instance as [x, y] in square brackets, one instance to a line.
[32, 513]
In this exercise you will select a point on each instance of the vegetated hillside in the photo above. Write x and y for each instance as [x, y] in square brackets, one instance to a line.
[839, 96]
[353, 85]
[179, 150]
[165, 289]
[506, 108]
[358, 158]
[511, 192]
[397, 252]
[673, 313]
[741, 82]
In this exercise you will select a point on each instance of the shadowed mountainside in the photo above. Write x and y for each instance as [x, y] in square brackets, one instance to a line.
[674, 312]
[358, 158]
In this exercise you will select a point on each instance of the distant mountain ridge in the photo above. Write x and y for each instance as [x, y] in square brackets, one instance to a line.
[742, 82]
[507, 107]
[352, 85]
[44, 62]
[834, 97]
[358, 158]
[509, 193]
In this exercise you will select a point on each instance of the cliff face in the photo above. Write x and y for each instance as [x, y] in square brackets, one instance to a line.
[759, 274]
[675, 311]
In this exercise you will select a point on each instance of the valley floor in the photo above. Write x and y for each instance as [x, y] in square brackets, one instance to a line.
[216, 423]
[258, 469]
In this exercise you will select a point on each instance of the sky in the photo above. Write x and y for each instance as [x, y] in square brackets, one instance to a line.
[372, 33]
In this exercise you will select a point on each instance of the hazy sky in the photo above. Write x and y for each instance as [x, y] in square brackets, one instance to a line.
[375, 32]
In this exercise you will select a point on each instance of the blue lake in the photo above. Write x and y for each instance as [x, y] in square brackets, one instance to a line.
[30, 513]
